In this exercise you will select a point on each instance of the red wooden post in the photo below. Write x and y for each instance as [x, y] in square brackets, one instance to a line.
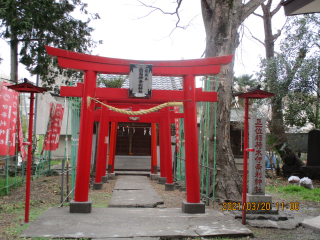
[27, 204]
[152, 172]
[106, 143]
[162, 149]
[191, 140]
[102, 145]
[85, 138]
[154, 147]
[168, 152]
[111, 148]
[245, 163]
[114, 145]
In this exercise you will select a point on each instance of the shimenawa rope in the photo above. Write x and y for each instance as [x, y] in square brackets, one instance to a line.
[156, 108]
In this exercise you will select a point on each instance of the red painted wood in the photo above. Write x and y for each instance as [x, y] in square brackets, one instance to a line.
[257, 94]
[245, 163]
[186, 68]
[78, 65]
[27, 87]
[154, 148]
[27, 203]
[85, 139]
[168, 152]
[57, 52]
[191, 140]
[114, 145]
[105, 149]
[67, 91]
[120, 95]
[162, 148]
[111, 147]
[101, 146]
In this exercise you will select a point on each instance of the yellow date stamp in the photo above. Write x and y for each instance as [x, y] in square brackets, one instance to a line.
[262, 206]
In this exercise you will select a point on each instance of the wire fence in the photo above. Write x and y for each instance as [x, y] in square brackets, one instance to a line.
[13, 168]
[206, 167]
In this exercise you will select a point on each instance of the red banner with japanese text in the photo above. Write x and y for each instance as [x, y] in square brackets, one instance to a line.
[176, 120]
[54, 127]
[8, 119]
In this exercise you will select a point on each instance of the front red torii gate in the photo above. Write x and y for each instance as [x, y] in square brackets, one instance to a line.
[91, 65]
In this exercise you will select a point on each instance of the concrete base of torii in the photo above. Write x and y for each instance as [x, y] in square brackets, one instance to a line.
[81, 207]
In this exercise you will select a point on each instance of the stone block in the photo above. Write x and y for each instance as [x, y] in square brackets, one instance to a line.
[182, 189]
[313, 148]
[169, 187]
[97, 186]
[262, 200]
[80, 207]
[257, 141]
[177, 186]
[193, 207]
[162, 180]
[104, 179]
[111, 176]
[154, 177]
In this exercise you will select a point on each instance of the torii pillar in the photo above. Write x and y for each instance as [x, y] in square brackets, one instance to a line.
[91, 65]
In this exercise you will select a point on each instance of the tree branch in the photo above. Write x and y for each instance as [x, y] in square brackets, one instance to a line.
[274, 11]
[250, 7]
[253, 36]
[275, 36]
[298, 63]
[258, 15]
[176, 12]
[207, 6]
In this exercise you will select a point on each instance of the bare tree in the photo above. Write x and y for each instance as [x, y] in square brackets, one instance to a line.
[222, 19]
[276, 126]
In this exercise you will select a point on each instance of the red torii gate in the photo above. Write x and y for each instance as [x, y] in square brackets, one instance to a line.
[91, 65]
[166, 160]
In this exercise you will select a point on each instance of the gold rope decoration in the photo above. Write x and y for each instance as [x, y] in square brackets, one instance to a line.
[156, 108]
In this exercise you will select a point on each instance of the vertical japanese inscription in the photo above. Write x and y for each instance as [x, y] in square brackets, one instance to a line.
[257, 140]
[140, 81]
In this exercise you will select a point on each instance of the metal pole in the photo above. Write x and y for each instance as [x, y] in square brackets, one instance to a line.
[29, 159]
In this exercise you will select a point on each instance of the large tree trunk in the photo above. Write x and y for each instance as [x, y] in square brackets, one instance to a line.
[222, 19]
[14, 58]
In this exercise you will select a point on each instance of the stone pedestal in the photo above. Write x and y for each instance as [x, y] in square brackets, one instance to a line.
[169, 187]
[263, 201]
[97, 186]
[111, 176]
[162, 180]
[80, 207]
[154, 177]
[193, 207]
[104, 179]
[182, 189]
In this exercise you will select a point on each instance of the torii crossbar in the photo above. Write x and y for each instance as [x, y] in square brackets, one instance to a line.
[91, 65]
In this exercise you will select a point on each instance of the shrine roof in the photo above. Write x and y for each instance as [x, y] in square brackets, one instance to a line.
[237, 114]
[162, 83]
[158, 82]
